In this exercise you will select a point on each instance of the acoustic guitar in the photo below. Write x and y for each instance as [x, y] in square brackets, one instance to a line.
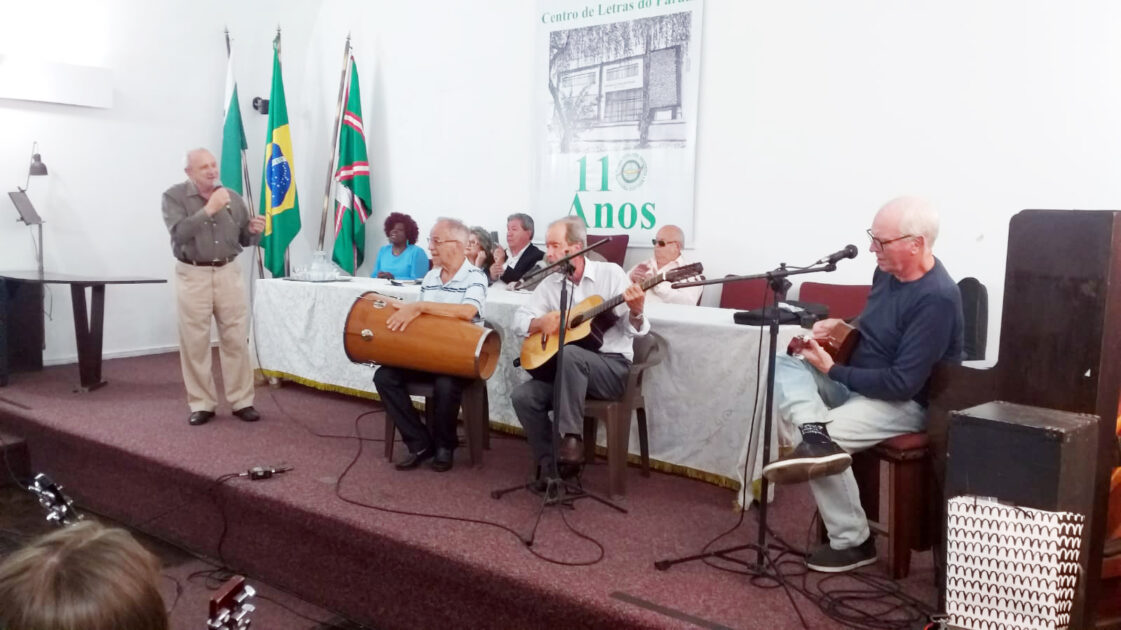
[587, 322]
[839, 342]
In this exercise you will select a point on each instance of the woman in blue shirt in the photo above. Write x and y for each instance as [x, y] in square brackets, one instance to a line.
[401, 259]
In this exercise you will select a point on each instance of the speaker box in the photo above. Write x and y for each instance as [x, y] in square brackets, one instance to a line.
[1029, 457]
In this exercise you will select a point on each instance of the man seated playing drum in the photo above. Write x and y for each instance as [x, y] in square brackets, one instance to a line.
[452, 288]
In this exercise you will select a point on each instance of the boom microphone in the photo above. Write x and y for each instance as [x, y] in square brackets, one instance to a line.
[849, 251]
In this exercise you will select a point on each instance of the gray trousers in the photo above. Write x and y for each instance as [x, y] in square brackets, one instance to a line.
[586, 374]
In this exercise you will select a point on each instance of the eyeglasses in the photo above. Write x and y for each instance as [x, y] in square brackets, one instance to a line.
[659, 243]
[881, 243]
[438, 241]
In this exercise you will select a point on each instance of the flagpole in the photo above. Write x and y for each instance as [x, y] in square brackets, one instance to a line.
[343, 80]
[287, 260]
[245, 172]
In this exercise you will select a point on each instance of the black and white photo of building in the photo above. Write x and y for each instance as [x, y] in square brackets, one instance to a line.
[618, 86]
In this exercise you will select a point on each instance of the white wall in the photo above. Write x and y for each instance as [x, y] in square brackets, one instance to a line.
[812, 115]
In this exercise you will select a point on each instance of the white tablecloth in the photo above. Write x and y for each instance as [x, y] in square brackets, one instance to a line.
[699, 400]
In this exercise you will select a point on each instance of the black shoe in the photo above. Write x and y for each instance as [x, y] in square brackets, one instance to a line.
[413, 460]
[248, 414]
[808, 461]
[199, 417]
[443, 460]
[829, 560]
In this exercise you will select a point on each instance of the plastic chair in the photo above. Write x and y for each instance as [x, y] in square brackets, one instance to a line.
[845, 301]
[649, 350]
[615, 250]
[475, 412]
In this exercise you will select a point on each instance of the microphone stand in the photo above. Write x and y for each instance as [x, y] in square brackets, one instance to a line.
[557, 490]
[776, 278]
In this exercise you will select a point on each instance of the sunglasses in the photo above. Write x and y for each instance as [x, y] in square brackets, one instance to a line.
[659, 243]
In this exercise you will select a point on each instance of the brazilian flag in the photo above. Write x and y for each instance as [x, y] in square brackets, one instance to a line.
[279, 202]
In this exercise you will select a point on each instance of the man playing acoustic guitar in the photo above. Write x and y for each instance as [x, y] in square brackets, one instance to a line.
[913, 320]
[598, 373]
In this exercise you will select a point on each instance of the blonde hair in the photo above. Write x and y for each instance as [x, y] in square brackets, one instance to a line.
[84, 577]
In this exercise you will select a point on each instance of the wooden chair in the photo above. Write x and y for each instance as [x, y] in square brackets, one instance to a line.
[746, 294]
[909, 524]
[845, 301]
[909, 521]
[614, 251]
[475, 412]
[649, 350]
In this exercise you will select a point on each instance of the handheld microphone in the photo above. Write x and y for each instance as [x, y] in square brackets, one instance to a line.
[218, 185]
[849, 251]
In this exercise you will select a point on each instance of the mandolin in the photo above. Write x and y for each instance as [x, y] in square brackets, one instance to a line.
[839, 342]
[587, 321]
[230, 607]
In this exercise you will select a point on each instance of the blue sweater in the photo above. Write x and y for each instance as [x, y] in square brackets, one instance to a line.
[905, 329]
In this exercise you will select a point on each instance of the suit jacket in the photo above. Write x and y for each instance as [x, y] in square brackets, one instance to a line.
[529, 258]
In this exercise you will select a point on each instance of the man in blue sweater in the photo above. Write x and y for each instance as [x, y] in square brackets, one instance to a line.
[912, 321]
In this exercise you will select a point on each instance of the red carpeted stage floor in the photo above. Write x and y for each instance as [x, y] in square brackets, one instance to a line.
[127, 451]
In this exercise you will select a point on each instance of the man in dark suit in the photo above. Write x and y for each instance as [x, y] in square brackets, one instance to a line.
[523, 254]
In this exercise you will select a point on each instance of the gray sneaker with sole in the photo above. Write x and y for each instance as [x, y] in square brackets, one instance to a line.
[808, 461]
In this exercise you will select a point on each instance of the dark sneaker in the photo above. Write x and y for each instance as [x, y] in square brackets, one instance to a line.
[829, 560]
[412, 460]
[443, 460]
[808, 461]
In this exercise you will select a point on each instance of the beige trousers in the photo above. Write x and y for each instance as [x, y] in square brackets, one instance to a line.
[219, 292]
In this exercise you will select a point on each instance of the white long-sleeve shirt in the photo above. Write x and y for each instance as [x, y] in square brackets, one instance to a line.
[662, 292]
[606, 280]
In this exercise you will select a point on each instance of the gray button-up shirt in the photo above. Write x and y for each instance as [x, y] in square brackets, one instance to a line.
[196, 237]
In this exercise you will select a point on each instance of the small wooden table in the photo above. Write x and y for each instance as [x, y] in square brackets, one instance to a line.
[25, 306]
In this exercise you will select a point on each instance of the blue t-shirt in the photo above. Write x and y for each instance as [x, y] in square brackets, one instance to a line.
[905, 329]
[412, 264]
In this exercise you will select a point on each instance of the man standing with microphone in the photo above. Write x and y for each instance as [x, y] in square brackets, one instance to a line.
[209, 225]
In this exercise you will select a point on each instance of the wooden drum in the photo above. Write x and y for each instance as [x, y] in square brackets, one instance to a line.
[431, 343]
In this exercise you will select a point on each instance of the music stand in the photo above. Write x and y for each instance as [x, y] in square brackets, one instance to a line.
[558, 491]
[771, 316]
[28, 215]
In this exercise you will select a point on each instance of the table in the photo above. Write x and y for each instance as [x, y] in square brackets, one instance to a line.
[24, 306]
[699, 400]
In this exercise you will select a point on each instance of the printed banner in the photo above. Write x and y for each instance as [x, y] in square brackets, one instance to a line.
[616, 114]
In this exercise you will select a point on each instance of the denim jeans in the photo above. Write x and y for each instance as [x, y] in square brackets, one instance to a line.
[855, 422]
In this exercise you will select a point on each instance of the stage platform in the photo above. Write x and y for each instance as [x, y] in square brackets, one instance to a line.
[127, 451]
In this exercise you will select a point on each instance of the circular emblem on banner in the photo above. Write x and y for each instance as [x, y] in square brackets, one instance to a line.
[632, 171]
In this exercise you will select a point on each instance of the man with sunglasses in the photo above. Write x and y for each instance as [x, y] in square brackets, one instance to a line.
[913, 320]
[667, 255]
[452, 288]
